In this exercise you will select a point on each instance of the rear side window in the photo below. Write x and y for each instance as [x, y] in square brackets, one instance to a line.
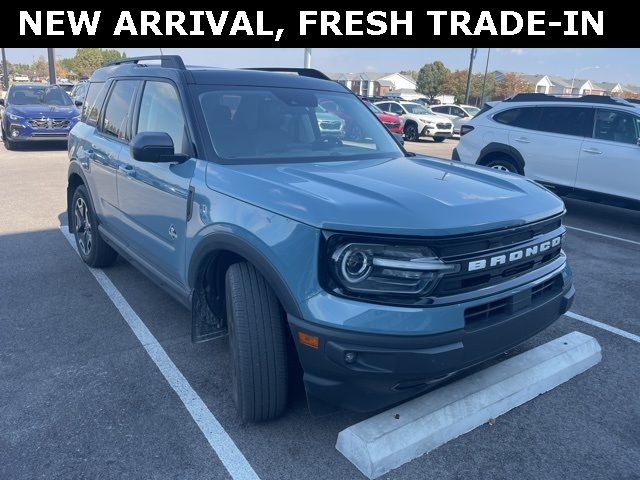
[616, 126]
[90, 110]
[116, 115]
[576, 121]
[525, 117]
[160, 111]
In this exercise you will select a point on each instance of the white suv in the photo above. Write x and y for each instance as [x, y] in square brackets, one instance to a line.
[458, 114]
[418, 121]
[586, 147]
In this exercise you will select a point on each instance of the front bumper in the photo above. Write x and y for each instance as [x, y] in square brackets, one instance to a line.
[26, 133]
[368, 371]
[434, 132]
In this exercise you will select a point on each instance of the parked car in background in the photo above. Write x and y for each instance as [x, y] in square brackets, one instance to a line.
[585, 147]
[458, 114]
[66, 86]
[418, 121]
[330, 124]
[36, 112]
[20, 78]
[393, 122]
[79, 92]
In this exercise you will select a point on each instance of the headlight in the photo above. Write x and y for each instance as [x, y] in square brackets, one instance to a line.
[374, 270]
[14, 117]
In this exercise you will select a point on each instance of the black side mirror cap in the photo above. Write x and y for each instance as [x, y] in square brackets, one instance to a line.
[2, 102]
[154, 147]
[78, 103]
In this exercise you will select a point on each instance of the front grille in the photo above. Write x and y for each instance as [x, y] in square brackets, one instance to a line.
[330, 125]
[443, 126]
[490, 312]
[48, 122]
[391, 125]
[462, 250]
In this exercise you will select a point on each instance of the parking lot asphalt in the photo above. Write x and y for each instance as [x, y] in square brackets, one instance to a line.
[81, 398]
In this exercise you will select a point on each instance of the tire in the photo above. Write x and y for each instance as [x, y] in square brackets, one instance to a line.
[93, 250]
[411, 133]
[438, 139]
[8, 144]
[257, 345]
[502, 163]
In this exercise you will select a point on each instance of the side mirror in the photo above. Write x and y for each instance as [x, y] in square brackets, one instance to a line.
[154, 147]
[2, 102]
[399, 138]
[78, 103]
[463, 115]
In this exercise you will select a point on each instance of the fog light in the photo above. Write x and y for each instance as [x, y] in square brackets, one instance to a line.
[350, 357]
[15, 133]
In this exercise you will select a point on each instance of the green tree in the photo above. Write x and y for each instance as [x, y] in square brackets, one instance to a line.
[512, 83]
[111, 54]
[39, 68]
[86, 60]
[432, 78]
[456, 84]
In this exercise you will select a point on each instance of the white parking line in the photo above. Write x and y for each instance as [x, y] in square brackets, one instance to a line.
[604, 326]
[613, 237]
[222, 444]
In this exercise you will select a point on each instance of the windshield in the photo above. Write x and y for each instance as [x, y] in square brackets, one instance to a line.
[415, 108]
[473, 111]
[373, 108]
[38, 95]
[283, 124]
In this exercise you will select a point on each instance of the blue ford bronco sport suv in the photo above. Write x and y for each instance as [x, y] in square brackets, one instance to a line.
[383, 272]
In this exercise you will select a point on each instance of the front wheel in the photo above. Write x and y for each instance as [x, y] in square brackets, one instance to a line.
[257, 345]
[411, 132]
[438, 139]
[8, 144]
[93, 250]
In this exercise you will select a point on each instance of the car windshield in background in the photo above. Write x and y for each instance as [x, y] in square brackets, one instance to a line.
[38, 95]
[272, 124]
[415, 108]
[373, 108]
[473, 111]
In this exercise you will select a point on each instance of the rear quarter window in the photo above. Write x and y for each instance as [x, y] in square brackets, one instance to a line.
[90, 105]
[523, 117]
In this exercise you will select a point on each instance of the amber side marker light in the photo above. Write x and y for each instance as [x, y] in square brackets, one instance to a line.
[308, 340]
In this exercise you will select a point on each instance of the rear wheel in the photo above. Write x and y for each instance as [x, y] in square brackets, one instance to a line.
[411, 132]
[93, 250]
[502, 163]
[257, 345]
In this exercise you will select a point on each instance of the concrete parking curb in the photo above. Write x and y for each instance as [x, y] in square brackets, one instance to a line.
[392, 438]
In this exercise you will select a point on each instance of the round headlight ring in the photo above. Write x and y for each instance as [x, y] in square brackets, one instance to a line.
[355, 265]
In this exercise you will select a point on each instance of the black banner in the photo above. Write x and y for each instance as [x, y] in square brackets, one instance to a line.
[559, 25]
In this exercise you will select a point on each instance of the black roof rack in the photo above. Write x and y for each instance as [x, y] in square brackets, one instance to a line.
[632, 100]
[167, 61]
[303, 72]
[543, 97]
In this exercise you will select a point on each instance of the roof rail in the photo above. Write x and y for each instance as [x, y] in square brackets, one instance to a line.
[543, 97]
[166, 61]
[303, 72]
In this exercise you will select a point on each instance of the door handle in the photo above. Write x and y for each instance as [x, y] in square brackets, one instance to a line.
[592, 151]
[127, 170]
[523, 140]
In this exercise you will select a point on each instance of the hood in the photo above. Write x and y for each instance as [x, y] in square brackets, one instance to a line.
[404, 196]
[434, 118]
[327, 116]
[45, 111]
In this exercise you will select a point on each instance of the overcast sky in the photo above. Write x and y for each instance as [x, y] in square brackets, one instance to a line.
[615, 64]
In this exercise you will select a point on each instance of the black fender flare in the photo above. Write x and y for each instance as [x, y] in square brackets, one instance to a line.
[497, 147]
[75, 169]
[228, 241]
